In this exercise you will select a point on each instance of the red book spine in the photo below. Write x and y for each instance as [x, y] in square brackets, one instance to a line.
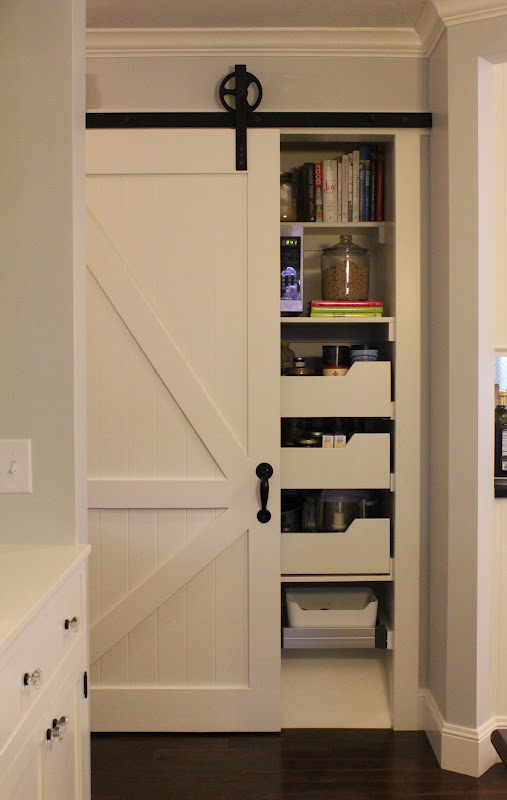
[379, 198]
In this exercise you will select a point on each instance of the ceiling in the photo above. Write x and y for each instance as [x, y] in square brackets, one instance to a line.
[253, 13]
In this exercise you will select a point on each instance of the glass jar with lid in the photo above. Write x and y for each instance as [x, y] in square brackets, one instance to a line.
[345, 271]
[288, 198]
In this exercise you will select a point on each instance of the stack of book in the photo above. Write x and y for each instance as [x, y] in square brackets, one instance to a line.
[348, 188]
[346, 308]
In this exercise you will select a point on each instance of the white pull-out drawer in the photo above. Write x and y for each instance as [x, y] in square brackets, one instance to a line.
[363, 549]
[42, 645]
[364, 463]
[364, 391]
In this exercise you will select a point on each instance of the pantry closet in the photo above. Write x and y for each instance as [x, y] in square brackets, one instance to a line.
[184, 404]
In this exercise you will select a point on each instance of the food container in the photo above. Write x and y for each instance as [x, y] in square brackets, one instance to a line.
[334, 355]
[335, 511]
[293, 428]
[288, 198]
[307, 442]
[316, 434]
[300, 371]
[343, 607]
[345, 271]
[292, 518]
[334, 372]
[363, 352]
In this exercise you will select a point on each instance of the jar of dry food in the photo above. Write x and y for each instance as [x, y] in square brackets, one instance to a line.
[288, 198]
[345, 271]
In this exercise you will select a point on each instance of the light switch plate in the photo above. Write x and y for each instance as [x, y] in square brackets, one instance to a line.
[15, 466]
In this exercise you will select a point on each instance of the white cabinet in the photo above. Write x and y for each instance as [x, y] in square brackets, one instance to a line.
[44, 728]
[62, 754]
[379, 552]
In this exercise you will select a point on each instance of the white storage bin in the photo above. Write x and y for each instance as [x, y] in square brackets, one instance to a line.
[343, 607]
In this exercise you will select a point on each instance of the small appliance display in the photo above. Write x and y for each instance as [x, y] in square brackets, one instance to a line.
[291, 272]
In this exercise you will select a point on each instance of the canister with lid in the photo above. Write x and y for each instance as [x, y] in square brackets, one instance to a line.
[345, 271]
[288, 198]
[334, 355]
[363, 352]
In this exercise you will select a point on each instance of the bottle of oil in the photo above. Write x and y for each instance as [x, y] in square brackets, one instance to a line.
[287, 357]
[501, 435]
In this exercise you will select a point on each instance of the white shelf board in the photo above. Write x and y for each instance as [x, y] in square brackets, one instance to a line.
[334, 578]
[336, 320]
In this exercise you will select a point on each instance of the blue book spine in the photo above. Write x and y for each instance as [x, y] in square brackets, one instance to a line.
[373, 181]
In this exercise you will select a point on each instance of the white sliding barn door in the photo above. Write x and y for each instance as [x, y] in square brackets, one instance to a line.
[183, 383]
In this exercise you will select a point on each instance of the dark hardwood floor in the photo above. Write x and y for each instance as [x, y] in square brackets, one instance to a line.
[295, 765]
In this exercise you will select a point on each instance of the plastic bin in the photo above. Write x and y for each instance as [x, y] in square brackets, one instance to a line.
[343, 607]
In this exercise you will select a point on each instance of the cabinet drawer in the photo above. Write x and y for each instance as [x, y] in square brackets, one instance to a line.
[365, 391]
[42, 645]
[364, 463]
[363, 549]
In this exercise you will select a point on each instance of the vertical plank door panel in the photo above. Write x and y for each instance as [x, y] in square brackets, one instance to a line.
[182, 252]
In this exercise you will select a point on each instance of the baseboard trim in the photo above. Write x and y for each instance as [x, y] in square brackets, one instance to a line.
[458, 749]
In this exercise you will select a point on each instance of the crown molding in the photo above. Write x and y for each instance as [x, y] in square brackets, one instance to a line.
[429, 27]
[457, 12]
[254, 41]
[417, 42]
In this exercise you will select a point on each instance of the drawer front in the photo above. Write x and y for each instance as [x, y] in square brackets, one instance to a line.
[364, 391]
[42, 646]
[363, 464]
[363, 549]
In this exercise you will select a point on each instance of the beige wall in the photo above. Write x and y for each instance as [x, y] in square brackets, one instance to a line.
[41, 64]
[290, 83]
[499, 638]
[461, 552]
[439, 462]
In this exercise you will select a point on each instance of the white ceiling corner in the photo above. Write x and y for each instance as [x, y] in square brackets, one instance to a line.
[455, 12]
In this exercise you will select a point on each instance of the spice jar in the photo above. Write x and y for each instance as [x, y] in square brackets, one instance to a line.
[345, 271]
[288, 198]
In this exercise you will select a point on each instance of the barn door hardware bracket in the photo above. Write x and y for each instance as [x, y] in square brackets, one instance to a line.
[242, 109]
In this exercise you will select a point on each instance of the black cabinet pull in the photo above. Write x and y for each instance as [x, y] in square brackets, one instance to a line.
[264, 472]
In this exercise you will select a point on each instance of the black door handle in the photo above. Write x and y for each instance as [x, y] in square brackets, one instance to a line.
[264, 472]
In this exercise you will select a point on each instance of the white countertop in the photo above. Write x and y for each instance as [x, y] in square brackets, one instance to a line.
[28, 575]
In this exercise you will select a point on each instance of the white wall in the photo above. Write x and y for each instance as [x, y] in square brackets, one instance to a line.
[461, 552]
[42, 131]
